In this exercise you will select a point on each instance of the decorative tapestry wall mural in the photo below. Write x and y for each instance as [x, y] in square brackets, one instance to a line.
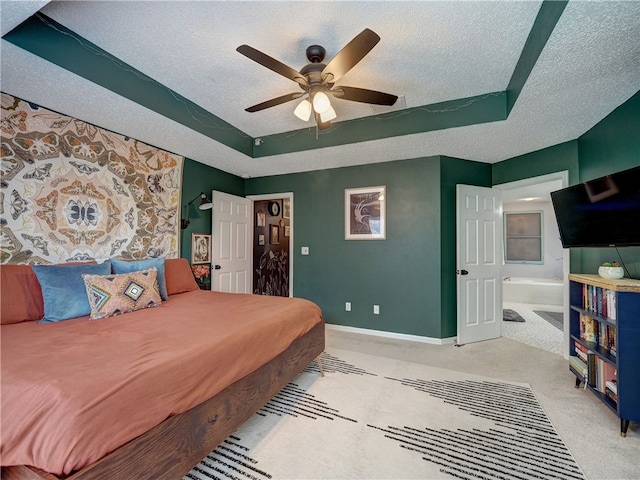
[71, 191]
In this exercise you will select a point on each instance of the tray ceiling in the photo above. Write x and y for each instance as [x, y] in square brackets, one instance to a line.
[429, 52]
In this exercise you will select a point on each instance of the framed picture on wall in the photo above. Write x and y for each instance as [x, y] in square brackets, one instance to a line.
[286, 208]
[260, 239]
[365, 213]
[274, 236]
[202, 273]
[260, 219]
[200, 248]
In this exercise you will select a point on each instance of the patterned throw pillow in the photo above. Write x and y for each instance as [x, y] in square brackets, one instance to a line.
[111, 295]
[125, 266]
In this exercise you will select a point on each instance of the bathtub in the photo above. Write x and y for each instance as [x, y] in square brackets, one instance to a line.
[545, 291]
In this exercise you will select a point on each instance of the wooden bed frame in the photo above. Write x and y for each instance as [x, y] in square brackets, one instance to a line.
[172, 448]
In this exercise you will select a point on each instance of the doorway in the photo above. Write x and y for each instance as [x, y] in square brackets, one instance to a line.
[536, 294]
[272, 244]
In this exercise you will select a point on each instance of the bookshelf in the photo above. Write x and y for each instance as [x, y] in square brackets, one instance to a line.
[604, 340]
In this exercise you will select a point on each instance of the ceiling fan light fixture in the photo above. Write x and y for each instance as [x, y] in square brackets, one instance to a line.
[329, 115]
[318, 80]
[303, 110]
[321, 102]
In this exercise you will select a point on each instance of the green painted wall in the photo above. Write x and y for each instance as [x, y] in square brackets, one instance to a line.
[197, 178]
[563, 156]
[613, 144]
[401, 273]
[411, 275]
[610, 146]
[452, 172]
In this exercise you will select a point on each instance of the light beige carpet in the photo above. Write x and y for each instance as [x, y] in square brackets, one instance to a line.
[373, 417]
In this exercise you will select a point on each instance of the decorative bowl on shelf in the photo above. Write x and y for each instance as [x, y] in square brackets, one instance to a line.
[611, 272]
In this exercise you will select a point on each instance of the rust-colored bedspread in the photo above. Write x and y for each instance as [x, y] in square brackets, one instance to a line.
[74, 391]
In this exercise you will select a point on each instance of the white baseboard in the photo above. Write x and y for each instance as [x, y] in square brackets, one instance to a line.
[397, 336]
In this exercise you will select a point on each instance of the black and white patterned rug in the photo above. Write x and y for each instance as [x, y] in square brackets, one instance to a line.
[377, 418]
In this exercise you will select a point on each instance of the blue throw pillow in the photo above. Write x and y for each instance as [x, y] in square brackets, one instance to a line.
[63, 289]
[123, 266]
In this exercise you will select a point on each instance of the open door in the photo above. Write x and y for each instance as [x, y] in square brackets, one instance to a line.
[478, 263]
[272, 244]
[231, 243]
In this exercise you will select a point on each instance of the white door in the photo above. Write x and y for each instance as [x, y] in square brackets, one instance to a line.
[478, 263]
[231, 248]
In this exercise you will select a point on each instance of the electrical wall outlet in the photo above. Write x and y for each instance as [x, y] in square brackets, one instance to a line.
[376, 309]
[347, 306]
[304, 251]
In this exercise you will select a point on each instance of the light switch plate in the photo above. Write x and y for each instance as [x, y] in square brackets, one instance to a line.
[304, 251]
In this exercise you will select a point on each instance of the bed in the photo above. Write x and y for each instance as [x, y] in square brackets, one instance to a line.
[146, 394]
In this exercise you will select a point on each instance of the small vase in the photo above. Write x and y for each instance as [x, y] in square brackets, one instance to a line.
[611, 272]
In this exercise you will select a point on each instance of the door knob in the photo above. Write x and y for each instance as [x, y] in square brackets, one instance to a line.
[217, 267]
[462, 272]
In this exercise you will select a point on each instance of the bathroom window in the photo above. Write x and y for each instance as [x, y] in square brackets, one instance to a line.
[523, 237]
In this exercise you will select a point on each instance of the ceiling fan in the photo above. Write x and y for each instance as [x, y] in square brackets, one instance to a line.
[317, 79]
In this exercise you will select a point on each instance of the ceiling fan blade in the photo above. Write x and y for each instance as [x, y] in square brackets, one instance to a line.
[363, 95]
[274, 101]
[350, 55]
[272, 64]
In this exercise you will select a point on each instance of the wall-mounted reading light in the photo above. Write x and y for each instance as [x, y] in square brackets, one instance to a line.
[205, 204]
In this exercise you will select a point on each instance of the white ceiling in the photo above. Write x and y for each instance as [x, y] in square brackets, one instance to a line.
[429, 52]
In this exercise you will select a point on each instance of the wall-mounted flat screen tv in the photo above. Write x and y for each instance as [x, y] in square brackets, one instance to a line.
[600, 213]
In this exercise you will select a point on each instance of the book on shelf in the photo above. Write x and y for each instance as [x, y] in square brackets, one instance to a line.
[607, 339]
[611, 310]
[581, 351]
[603, 335]
[611, 390]
[598, 332]
[600, 301]
[578, 366]
[612, 341]
[600, 373]
[587, 328]
[592, 361]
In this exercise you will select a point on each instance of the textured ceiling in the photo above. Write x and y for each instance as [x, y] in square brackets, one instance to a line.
[429, 52]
